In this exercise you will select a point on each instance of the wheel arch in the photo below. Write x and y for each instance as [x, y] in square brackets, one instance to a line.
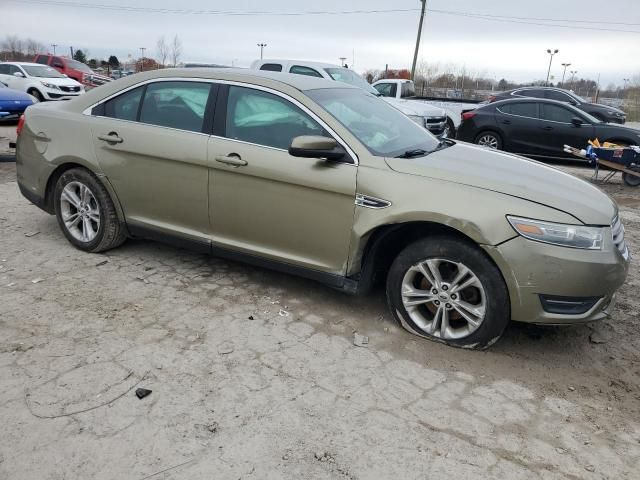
[71, 164]
[385, 242]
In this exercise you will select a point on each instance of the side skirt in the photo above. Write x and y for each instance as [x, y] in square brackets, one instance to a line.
[338, 282]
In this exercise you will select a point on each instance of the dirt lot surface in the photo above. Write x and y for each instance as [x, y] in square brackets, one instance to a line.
[254, 374]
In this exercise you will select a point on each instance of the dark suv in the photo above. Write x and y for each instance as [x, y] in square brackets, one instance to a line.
[601, 112]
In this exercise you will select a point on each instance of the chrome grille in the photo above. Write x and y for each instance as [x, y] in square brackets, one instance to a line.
[617, 231]
[436, 119]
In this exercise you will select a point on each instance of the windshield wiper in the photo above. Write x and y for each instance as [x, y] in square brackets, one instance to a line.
[418, 152]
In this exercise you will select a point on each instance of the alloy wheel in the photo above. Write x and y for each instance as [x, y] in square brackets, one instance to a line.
[445, 299]
[489, 141]
[80, 211]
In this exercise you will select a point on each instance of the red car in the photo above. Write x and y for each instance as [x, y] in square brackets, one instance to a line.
[73, 69]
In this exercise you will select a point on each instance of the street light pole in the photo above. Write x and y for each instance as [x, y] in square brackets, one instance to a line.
[565, 65]
[262, 45]
[54, 45]
[573, 76]
[342, 60]
[142, 49]
[415, 53]
[551, 54]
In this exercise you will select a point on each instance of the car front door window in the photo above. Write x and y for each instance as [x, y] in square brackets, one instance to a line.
[262, 118]
[556, 113]
[386, 89]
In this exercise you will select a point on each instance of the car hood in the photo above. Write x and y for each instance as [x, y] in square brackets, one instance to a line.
[9, 94]
[61, 82]
[513, 175]
[600, 106]
[412, 107]
[617, 129]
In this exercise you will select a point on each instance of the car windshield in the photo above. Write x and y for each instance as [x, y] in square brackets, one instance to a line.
[385, 131]
[41, 71]
[352, 78]
[78, 66]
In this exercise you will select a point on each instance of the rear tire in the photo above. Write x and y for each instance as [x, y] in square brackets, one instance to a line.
[489, 139]
[85, 212]
[450, 129]
[465, 303]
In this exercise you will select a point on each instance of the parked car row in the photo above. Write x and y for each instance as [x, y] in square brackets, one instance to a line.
[78, 71]
[432, 118]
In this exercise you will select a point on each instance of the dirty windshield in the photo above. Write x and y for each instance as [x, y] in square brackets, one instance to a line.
[385, 131]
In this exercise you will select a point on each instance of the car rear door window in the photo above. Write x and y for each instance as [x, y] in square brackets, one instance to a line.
[556, 113]
[122, 107]
[263, 118]
[386, 89]
[300, 70]
[271, 67]
[179, 105]
[524, 109]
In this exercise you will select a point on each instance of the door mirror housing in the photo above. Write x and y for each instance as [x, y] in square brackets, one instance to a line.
[312, 146]
[58, 65]
[577, 122]
[18, 74]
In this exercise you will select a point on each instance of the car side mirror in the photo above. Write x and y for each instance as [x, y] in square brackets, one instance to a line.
[18, 74]
[58, 65]
[577, 122]
[313, 146]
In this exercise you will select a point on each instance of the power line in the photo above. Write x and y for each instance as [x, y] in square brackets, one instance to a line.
[479, 16]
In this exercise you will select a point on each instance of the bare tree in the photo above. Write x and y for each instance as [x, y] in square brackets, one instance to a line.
[13, 44]
[163, 50]
[34, 47]
[176, 50]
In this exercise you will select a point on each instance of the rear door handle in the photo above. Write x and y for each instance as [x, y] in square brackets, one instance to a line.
[234, 160]
[547, 128]
[111, 138]
[506, 122]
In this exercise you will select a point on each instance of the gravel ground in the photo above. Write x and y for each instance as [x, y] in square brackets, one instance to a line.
[254, 374]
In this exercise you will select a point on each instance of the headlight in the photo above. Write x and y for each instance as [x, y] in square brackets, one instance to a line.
[50, 85]
[573, 236]
[418, 119]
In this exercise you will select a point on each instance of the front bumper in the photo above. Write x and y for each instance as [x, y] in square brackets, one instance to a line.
[60, 95]
[536, 272]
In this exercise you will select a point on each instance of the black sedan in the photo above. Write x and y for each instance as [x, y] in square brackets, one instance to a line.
[538, 128]
[601, 112]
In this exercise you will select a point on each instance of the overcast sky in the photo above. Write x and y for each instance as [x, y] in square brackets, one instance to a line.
[510, 48]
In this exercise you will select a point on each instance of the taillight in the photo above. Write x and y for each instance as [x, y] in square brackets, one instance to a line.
[20, 125]
[468, 115]
[491, 98]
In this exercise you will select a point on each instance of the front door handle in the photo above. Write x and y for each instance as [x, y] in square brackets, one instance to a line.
[506, 122]
[111, 138]
[547, 128]
[234, 160]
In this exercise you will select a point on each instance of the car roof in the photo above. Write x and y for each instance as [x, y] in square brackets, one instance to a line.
[285, 82]
[530, 100]
[302, 63]
[24, 63]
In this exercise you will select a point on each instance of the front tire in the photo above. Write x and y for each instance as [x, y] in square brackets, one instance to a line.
[489, 139]
[85, 212]
[36, 94]
[448, 290]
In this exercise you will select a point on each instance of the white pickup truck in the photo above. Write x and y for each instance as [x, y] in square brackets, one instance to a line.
[404, 90]
[428, 116]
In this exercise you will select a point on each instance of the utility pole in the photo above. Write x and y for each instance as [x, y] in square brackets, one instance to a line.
[54, 45]
[573, 76]
[415, 54]
[262, 45]
[565, 65]
[71, 51]
[142, 49]
[551, 54]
